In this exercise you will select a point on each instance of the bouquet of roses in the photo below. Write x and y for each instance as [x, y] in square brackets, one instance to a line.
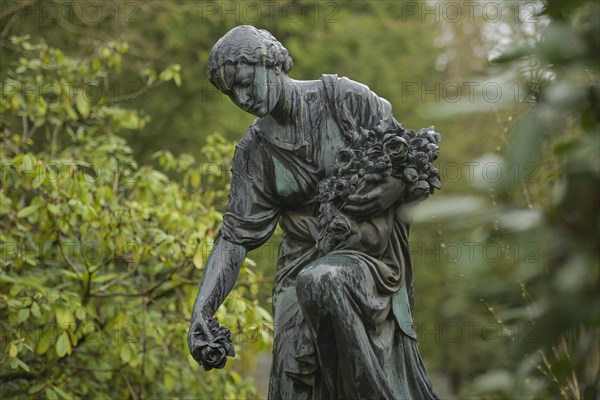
[369, 157]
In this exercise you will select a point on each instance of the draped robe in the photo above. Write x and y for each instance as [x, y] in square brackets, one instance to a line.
[346, 337]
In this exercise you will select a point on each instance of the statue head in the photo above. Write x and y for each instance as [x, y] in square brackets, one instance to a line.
[246, 64]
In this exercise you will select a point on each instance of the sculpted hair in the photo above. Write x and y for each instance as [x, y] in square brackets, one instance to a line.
[249, 45]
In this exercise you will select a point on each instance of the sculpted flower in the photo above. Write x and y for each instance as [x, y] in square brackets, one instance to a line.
[368, 137]
[352, 138]
[410, 133]
[418, 142]
[433, 136]
[344, 160]
[213, 353]
[422, 161]
[420, 191]
[213, 356]
[343, 187]
[339, 227]
[326, 191]
[433, 151]
[434, 181]
[411, 174]
[377, 160]
[395, 146]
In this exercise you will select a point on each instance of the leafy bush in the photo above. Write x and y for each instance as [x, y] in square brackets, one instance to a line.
[98, 253]
[547, 305]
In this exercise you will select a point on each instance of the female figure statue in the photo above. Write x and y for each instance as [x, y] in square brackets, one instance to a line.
[343, 318]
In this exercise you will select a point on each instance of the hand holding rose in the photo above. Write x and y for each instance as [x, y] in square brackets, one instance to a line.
[210, 344]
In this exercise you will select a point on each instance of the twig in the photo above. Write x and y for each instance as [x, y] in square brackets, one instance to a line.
[116, 181]
[8, 26]
[54, 140]
[131, 391]
[81, 368]
[68, 260]
[25, 122]
[118, 279]
[144, 333]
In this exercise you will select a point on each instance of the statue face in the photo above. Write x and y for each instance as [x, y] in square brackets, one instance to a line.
[255, 89]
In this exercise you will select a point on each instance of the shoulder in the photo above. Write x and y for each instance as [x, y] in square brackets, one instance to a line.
[342, 87]
[354, 104]
[248, 142]
[248, 153]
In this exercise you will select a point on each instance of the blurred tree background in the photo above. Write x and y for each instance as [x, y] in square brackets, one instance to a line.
[115, 167]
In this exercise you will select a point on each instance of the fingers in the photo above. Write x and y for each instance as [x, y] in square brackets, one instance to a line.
[363, 211]
[364, 198]
[373, 177]
[203, 327]
[199, 329]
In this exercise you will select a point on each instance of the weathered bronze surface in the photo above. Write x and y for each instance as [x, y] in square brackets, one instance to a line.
[327, 161]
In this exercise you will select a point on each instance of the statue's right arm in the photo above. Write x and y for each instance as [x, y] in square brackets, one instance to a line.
[220, 274]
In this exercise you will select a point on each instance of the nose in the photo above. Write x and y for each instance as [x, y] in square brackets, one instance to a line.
[242, 96]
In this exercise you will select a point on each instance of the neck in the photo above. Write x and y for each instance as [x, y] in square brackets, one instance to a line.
[284, 112]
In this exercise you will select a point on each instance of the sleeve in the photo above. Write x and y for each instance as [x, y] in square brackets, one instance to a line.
[252, 213]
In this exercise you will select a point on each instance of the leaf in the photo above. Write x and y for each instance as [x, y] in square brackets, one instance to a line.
[35, 310]
[72, 114]
[198, 259]
[526, 140]
[62, 393]
[80, 314]
[21, 364]
[261, 313]
[63, 346]
[131, 121]
[169, 382]
[43, 345]
[51, 394]
[36, 388]
[104, 278]
[23, 314]
[27, 211]
[125, 353]
[13, 351]
[166, 75]
[64, 318]
[83, 104]
[53, 208]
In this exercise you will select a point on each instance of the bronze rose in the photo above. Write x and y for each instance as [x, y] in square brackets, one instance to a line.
[396, 147]
[213, 356]
[339, 227]
[345, 160]
[213, 353]
[343, 188]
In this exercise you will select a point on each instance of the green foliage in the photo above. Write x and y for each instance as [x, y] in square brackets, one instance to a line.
[97, 253]
[547, 305]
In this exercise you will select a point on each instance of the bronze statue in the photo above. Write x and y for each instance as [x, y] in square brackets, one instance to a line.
[327, 161]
